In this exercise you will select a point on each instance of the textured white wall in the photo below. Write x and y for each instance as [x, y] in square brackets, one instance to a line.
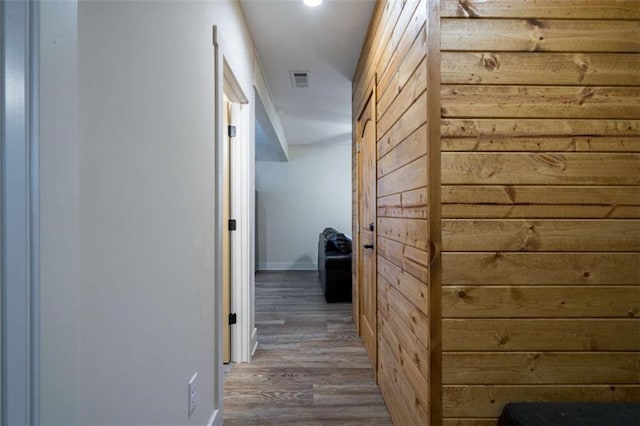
[146, 203]
[297, 200]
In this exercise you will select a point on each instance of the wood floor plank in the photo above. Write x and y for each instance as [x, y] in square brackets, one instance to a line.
[310, 367]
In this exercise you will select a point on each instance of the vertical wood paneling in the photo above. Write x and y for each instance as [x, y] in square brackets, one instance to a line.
[541, 269]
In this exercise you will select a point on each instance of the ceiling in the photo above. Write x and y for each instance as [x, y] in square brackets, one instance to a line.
[325, 41]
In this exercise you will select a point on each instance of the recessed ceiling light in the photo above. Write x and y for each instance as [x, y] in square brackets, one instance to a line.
[312, 3]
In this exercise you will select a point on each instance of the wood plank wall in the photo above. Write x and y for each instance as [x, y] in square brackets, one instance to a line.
[393, 59]
[539, 197]
[540, 203]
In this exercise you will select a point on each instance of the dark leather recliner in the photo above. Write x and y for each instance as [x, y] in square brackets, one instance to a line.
[334, 265]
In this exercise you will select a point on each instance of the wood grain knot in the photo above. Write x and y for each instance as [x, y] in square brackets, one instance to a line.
[555, 161]
[511, 193]
[503, 340]
[536, 23]
[583, 67]
[490, 61]
[462, 294]
[585, 94]
[465, 10]
[586, 275]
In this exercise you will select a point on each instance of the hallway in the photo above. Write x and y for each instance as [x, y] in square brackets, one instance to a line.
[310, 366]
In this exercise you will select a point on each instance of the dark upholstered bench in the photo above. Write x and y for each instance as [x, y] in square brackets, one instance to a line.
[570, 414]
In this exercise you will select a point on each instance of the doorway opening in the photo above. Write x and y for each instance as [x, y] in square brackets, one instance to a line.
[229, 114]
[233, 220]
[235, 226]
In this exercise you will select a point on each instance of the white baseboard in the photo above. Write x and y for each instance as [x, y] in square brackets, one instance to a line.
[254, 341]
[216, 419]
[287, 266]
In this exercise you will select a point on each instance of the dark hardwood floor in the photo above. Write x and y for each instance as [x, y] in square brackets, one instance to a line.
[310, 367]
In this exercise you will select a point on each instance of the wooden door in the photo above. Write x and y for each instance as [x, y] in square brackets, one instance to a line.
[367, 288]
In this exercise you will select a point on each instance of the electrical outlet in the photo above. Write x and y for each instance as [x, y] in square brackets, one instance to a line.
[193, 394]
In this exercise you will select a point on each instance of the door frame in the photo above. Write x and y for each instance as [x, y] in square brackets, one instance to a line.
[20, 229]
[241, 209]
[242, 205]
[225, 175]
[371, 98]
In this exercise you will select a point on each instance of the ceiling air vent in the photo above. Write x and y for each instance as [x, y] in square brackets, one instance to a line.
[300, 79]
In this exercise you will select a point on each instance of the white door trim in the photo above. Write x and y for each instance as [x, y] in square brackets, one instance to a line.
[20, 212]
[242, 204]
[218, 395]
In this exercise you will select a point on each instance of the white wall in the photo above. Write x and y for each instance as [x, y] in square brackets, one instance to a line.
[59, 215]
[297, 200]
[128, 207]
[147, 204]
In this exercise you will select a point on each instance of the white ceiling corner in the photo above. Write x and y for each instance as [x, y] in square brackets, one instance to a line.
[325, 41]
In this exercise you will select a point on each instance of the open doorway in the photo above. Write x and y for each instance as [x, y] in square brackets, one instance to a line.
[235, 228]
[233, 219]
[227, 142]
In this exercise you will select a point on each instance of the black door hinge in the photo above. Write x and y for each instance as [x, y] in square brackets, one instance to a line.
[233, 318]
[232, 225]
[232, 131]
